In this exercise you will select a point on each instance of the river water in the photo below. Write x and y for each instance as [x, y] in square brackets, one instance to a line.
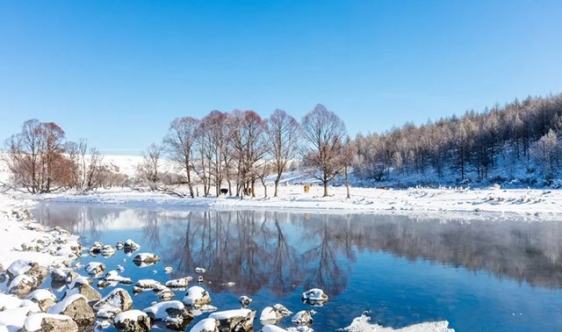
[480, 275]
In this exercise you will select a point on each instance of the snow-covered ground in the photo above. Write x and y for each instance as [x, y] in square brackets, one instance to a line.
[528, 204]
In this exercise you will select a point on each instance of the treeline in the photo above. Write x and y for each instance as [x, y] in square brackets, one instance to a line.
[41, 160]
[470, 147]
[240, 148]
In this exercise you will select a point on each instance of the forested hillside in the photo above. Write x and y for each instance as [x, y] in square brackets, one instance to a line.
[518, 143]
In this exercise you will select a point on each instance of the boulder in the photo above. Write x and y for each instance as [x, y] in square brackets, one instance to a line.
[178, 283]
[132, 321]
[48, 322]
[58, 276]
[196, 296]
[244, 300]
[29, 268]
[146, 258]
[95, 249]
[274, 314]
[302, 318]
[117, 300]
[95, 268]
[206, 325]
[108, 250]
[173, 313]
[81, 285]
[76, 307]
[22, 285]
[44, 298]
[314, 296]
[241, 320]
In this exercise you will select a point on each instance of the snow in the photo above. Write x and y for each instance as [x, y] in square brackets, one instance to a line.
[61, 306]
[362, 324]
[148, 283]
[272, 328]
[41, 294]
[129, 315]
[268, 314]
[228, 314]
[207, 324]
[193, 294]
[8, 302]
[530, 204]
[93, 267]
[159, 309]
[33, 322]
[315, 294]
[177, 283]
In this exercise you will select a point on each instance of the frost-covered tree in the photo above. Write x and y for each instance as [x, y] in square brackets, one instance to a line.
[546, 152]
[325, 132]
[149, 168]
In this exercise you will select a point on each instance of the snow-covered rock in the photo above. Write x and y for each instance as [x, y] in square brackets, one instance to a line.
[95, 249]
[146, 258]
[58, 275]
[172, 312]
[22, 285]
[244, 300]
[200, 270]
[44, 298]
[362, 324]
[132, 321]
[314, 296]
[302, 318]
[95, 268]
[48, 322]
[273, 314]
[118, 300]
[206, 325]
[81, 285]
[75, 306]
[178, 283]
[113, 275]
[165, 294]
[130, 246]
[196, 296]
[241, 320]
[148, 283]
[108, 250]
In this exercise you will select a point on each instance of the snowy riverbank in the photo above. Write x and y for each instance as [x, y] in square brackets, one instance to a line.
[526, 204]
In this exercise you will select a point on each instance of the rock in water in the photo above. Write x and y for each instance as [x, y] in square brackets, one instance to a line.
[196, 296]
[48, 322]
[302, 318]
[206, 325]
[315, 296]
[113, 303]
[241, 320]
[132, 321]
[244, 300]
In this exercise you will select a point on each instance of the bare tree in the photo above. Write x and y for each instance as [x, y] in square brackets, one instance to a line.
[283, 138]
[349, 155]
[180, 143]
[249, 146]
[325, 132]
[35, 157]
[148, 170]
[87, 169]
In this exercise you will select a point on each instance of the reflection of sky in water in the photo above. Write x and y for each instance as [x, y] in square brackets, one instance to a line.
[476, 275]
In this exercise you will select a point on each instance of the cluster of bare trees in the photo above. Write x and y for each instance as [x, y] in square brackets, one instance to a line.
[239, 148]
[42, 160]
[469, 147]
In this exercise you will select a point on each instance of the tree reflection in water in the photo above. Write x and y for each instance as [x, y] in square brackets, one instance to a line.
[280, 250]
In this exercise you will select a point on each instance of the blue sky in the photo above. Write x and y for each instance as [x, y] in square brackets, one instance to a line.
[118, 72]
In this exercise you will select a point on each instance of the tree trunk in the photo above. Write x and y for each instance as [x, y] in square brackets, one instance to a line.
[325, 188]
[347, 182]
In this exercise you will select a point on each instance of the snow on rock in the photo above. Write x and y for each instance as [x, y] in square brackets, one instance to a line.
[302, 318]
[206, 325]
[172, 312]
[113, 275]
[272, 328]
[95, 268]
[81, 285]
[178, 283]
[19, 267]
[235, 320]
[274, 314]
[196, 296]
[108, 250]
[44, 298]
[22, 285]
[200, 270]
[95, 249]
[49, 322]
[362, 324]
[130, 246]
[58, 275]
[75, 306]
[148, 283]
[14, 319]
[244, 300]
[146, 258]
[118, 300]
[132, 321]
[314, 296]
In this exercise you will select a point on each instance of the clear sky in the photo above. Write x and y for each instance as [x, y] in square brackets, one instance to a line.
[118, 72]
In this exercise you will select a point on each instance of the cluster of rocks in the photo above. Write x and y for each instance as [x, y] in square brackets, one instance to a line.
[81, 307]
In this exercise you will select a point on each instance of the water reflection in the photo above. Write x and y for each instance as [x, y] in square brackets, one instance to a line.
[280, 250]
